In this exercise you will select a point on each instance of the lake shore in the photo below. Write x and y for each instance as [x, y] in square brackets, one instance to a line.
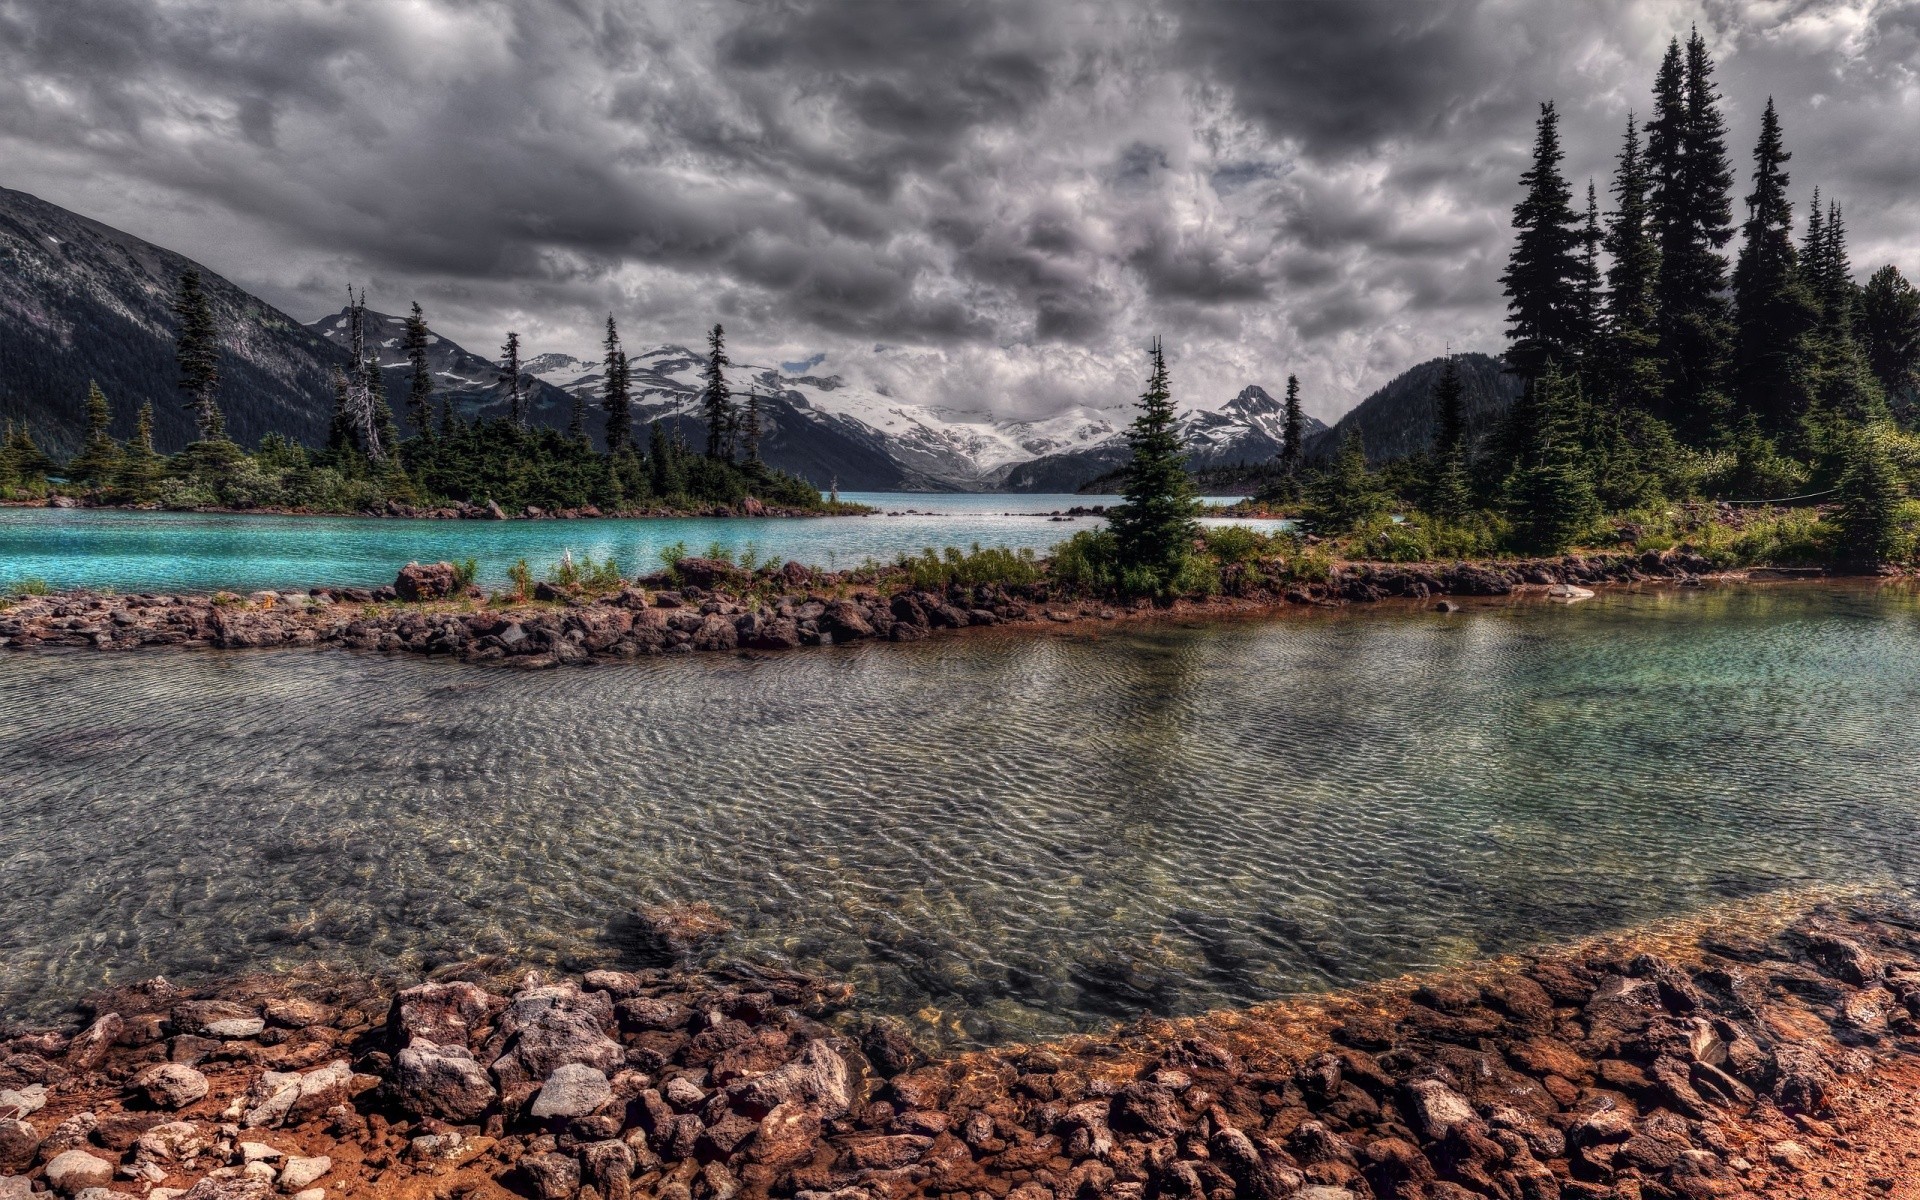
[709, 606]
[1768, 1048]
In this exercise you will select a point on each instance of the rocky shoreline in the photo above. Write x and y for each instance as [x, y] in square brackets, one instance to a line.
[713, 606]
[1773, 1056]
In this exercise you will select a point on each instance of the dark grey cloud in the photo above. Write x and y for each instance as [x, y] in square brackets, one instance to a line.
[977, 204]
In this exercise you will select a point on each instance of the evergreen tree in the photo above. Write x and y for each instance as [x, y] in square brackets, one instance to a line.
[1293, 429]
[197, 350]
[1889, 330]
[1550, 495]
[1693, 216]
[1154, 528]
[343, 437]
[616, 393]
[1870, 496]
[663, 463]
[1844, 383]
[510, 376]
[1631, 355]
[385, 435]
[99, 459]
[1543, 274]
[1774, 312]
[1345, 493]
[1447, 485]
[420, 381]
[1591, 305]
[23, 461]
[140, 466]
[716, 399]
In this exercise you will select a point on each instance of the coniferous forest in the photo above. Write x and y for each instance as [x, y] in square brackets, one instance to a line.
[1688, 377]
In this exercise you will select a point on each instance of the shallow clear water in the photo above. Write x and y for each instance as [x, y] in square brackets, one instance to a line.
[1001, 835]
[155, 551]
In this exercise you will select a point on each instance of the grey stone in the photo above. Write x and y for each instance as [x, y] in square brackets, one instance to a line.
[442, 1081]
[171, 1085]
[76, 1170]
[573, 1090]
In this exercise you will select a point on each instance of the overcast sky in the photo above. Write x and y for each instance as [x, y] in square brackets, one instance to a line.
[982, 205]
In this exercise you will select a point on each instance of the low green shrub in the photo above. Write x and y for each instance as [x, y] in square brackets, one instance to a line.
[992, 565]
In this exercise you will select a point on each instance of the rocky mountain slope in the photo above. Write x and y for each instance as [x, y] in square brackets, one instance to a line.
[82, 301]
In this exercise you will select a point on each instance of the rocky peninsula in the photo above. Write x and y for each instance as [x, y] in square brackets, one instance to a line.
[1757, 1053]
[706, 605]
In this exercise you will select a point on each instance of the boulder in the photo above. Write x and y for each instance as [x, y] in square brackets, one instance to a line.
[171, 1085]
[548, 1027]
[173, 1142]
[76, 1170]
[446, 1014]
[301, 1173]
[1436, 1108]
[442, 1081]
[19, 1145]
[287, 1098]
[16, 1187]
[552, 1176]
[574, 1090]
[19, 1103]
[846, 621]
[89, 1049]
[818, 1077]
[241, 1188]
[707, 573]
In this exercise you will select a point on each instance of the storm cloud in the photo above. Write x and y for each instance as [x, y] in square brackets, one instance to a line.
[986, 206]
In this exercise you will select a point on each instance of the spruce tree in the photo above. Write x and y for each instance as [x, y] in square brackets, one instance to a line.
[1447, 482]
[663, 462]
[140, 465]
[1870, 496]
[716, 400]
[511, 377]
[1154, 527]
[1631, 355]
[577, 420]
[1693, 215]
[616, 393]
[1550, 496]
[1293, 429]
[1774, 312]
[420, 380]
[197, 350]
[99, 458]
[750, 425]
[1542, 280]
[1844, 383]
[1889, 331]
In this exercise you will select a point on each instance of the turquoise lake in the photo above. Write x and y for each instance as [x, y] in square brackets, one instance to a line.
[158, 551]
[995, 836]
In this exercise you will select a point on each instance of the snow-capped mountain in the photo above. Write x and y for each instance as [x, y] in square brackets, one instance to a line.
[929, 446]
[825, 428]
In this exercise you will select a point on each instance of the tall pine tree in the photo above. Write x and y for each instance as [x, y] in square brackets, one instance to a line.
[616, 394]
[99, 458]
[1632, 366]
[420, 375]
[197, 350]
[1154, 528]
[1693, 214]
[510, 376]
[1773, 311]
[1544, 272]
[1293, 429]
[716, 400]
[140, 465]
